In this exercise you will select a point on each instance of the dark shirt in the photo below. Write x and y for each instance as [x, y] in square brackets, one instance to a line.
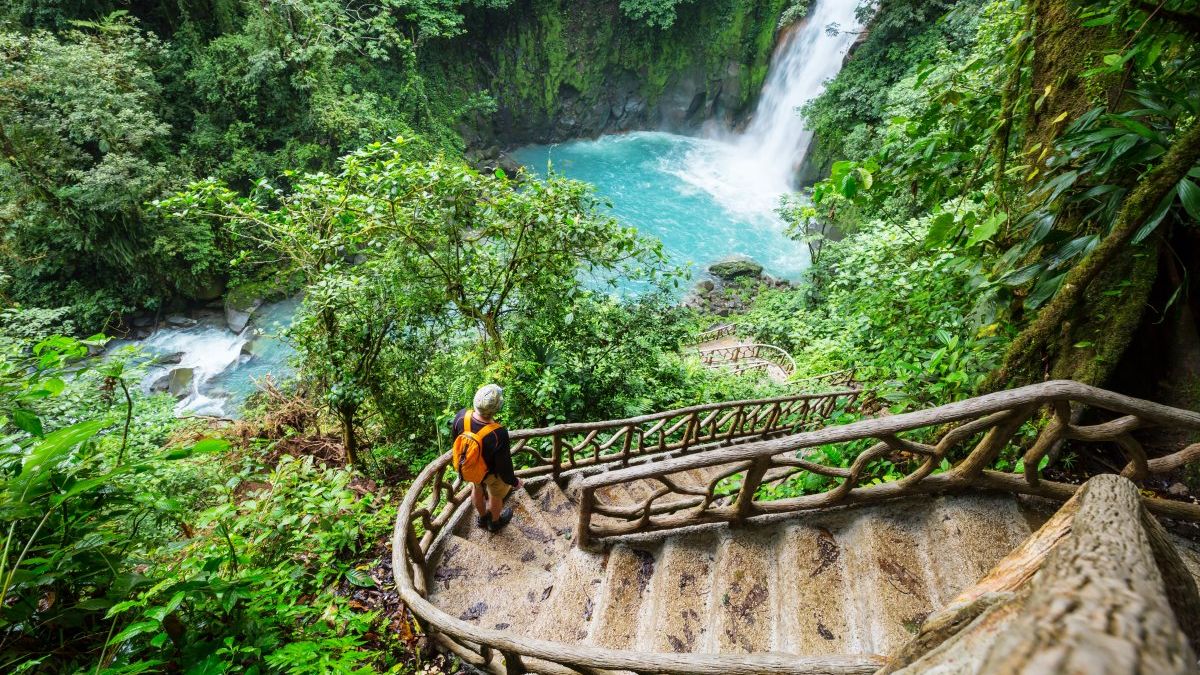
[496, 452]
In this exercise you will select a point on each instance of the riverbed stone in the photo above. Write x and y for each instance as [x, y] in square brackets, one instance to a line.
[238, 313]
[180, 321]
[705, 286]
[735, 267]
[179, 381]
[169, 359]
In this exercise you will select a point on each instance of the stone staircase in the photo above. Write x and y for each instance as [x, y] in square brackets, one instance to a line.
[703, 569]
[858, 580]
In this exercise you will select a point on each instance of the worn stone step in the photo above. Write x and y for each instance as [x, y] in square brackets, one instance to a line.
[743, 614]
[967, 535]
[487, 588]
[681, 593]
[556, 509]
[526, 539]
[816, 609]
[625, 589]
[887, 554]
[567, 614]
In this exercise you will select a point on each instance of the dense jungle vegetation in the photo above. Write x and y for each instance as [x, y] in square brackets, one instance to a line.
[1009, 192]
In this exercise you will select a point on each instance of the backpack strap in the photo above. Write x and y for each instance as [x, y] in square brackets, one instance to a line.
[487, 430]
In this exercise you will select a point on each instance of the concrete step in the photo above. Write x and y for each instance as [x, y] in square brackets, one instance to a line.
[888, 558]
[528, 539]
[487, 588]
[556, 509]
[816, 605]
[852, 581]
[681, 595]
[625, 590]
[567, 614]
[968, 535]
[743, 616]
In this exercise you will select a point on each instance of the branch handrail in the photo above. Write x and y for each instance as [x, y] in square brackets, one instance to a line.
[732, 355]
[997, 417]
[428, 512]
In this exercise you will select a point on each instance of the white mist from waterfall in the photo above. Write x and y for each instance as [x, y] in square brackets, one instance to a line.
[749, 171]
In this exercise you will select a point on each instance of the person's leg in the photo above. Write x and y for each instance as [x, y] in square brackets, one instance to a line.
[497, 490]
[478, 497]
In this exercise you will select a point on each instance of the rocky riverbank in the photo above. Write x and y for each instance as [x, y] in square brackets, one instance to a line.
[731, 286]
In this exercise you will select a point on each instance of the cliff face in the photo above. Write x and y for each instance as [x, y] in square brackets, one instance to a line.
[562, 69]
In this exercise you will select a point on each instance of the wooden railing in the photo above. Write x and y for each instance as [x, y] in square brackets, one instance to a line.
[1100, 582]
[988, 422]
[749, 357]
[715, 333]
[429, 509]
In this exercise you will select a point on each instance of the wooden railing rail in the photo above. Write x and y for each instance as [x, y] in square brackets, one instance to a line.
[757, 356]
[715, 333]
[428, 512]
[1101, 582]
[990, 422]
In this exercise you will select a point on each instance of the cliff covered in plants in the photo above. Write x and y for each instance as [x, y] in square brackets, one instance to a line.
[561, 69]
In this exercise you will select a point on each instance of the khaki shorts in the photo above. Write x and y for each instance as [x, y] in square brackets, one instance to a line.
[496, 488]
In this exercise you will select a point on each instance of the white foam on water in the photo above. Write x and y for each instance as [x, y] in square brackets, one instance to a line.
[748, 172]
[208, 350]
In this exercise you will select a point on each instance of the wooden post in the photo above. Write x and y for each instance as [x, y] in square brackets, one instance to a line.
[626, 443]
[513, 664]
[583, 535]
[754, 476]
[692, 427]
[556, 456]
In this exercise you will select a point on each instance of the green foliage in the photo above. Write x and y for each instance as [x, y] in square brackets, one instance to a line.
[880, 303]
[903, 34]
[85, 490]
[262, 584]
[396, 254]
[83, 146]
[654, 13]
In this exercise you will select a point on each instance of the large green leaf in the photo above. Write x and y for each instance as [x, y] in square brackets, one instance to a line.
[49, 451]
[1189, 194]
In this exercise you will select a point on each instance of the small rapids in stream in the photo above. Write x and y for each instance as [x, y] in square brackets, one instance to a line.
[212, 369]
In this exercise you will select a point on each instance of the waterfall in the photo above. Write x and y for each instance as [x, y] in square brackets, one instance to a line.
[749, 171]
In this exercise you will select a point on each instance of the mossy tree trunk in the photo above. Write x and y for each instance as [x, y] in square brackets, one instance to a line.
[1039, 347]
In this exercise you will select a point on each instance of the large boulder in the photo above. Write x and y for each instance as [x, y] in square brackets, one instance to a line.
[734, 268]
[239, 310]
[212, 289]
[179, 381]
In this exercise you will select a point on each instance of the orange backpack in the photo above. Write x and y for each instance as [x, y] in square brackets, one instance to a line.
[468, 451]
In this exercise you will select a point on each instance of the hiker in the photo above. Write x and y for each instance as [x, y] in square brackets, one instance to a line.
[481, 456]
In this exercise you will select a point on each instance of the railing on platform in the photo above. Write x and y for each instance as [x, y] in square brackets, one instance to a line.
[990, 422]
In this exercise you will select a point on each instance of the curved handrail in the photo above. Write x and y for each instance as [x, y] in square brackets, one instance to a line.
[776, 356]
[715, 333]
[996, 417]
[694, 429]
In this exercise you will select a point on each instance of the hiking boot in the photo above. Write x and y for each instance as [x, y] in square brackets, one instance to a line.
[484, 521]
[497, 525]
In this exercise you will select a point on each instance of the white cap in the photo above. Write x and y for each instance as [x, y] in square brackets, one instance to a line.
[489, 399]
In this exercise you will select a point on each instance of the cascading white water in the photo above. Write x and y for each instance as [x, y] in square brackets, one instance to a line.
[749, 171]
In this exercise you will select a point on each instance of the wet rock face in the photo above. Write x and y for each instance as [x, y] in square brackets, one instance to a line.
[237, 314]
